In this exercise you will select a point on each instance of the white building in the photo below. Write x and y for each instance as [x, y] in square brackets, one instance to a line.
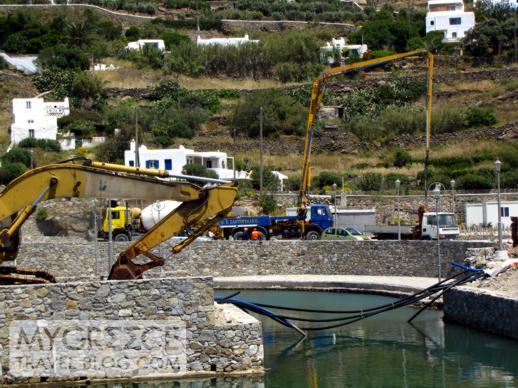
[282, 179]
[139, 44]
[224, 41]
[173, 160]
[482, 214]
[449, 17]
[339, 45]
[33, 117]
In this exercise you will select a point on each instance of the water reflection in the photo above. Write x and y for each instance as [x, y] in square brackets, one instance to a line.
[383, 351]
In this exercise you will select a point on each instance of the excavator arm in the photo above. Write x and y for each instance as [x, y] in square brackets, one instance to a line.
[88, 179]
[317, 91]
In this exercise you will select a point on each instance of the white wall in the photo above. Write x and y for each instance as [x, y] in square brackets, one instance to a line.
[179, 157]
[484, 213]
[441, 21]
[37, 118]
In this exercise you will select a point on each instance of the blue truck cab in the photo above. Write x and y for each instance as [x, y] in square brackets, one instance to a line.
[318, 218]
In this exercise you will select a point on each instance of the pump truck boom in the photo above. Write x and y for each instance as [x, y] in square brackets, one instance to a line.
[83, 178]
[312, 219]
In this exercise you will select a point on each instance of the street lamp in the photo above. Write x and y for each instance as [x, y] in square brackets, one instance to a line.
[398, 185]
[334, 189]
[452, 184]
[436, 192]
[501, 254]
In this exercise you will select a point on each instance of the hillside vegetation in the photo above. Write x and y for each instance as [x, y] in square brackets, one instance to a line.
[378, 140]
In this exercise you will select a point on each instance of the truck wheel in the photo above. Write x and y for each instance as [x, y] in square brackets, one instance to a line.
[312, 235]
[240, 236]
[121, 237]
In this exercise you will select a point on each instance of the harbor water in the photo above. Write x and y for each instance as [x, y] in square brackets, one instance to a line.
[382, 351]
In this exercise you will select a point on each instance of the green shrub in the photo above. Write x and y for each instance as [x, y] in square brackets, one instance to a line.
[510, 180]
[448, 120]
[3, 63]
[370, 182]
[42, 214]
[64, 57]
[474, 182]
[402, 158]
[281, 114]
[268, 204]
[199, 170]
[10, 171]
[44, 144]
[327, 178]
[132, 33]
[478, 117]
[270, 180]
[17, 155]
[391, 178]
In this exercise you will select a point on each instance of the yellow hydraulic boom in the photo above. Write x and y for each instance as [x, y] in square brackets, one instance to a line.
[317, 91]
[201, 208]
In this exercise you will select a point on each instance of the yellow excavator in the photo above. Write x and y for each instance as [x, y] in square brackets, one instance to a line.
[201, 208]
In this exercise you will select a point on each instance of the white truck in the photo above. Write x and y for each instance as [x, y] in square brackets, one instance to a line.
[426, 229]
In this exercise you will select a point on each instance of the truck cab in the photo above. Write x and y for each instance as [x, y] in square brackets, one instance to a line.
[446, 228]
[320, 215]
[123, 223]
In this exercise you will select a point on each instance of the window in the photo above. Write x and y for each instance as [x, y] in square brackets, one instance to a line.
[341, 232]
[30, 121]
[432, 22]
[168, 164]
[31, 132]
[223, 164]
[453, 34]
[455, 21]
[321, 211]
[132, 163]
[209, 163]
[504, 212]
[151, 163]
[28, 104]
[115, 215]
[330, 231]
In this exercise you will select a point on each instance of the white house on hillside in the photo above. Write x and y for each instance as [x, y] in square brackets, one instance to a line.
[33, 117]
[340, 46]
[449, 17]
[139, 44]
[224, 41]
[173, 160]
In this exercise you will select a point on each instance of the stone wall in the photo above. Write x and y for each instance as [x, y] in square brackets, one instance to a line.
[482, 309]
[280, 25]
[234, 258]
[219, 339]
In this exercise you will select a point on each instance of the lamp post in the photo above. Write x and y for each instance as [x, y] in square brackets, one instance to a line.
[501, 254]
[398, 185]
[452, 184]
[334, 189]
[437, 195]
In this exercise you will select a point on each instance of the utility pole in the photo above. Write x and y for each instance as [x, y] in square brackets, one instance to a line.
[429, 97]
[261, 151]
[137, 158]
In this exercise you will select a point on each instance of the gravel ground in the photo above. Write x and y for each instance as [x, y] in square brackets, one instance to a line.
[505, 283]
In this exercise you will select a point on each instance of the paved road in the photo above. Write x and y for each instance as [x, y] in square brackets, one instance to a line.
[399, 285]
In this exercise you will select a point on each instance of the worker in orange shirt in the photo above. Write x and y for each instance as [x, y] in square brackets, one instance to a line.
[255, 235]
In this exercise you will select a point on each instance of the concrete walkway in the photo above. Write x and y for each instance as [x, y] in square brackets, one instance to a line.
[394, 285]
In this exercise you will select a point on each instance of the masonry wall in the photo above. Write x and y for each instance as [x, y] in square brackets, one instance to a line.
[219, 338]
[482, 309]
[234, 258]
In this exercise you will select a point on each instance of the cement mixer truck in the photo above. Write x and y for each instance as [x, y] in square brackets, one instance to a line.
[128, 222]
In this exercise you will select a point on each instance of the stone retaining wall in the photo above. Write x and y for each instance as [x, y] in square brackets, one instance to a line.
[234, 258]
[219, 339]
[280, 25]
[482, 309]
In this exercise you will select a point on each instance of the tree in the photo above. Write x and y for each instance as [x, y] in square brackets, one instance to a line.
[17, 155]
[270, 180]
[281, 114]
[64, 57]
